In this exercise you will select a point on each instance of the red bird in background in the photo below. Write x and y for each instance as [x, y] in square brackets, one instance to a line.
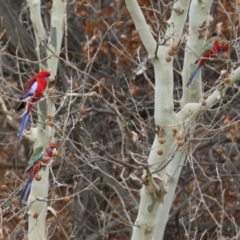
[212, 47]
[33, 91]
[37, 161]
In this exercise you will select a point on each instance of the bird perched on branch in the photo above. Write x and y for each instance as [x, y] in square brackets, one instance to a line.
[33, 91]
[38, 160]
[213, 46]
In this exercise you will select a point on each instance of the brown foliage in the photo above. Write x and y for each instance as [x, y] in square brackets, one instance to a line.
[106, 138]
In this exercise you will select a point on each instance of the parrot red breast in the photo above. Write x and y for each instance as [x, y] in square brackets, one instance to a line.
[38, 160]
[212, 47]
[33, 91]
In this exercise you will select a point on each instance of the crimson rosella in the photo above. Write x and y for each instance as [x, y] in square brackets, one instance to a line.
[33, 91]
[37, 161]
[212, 47]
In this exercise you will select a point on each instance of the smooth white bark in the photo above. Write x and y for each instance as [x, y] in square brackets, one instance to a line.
[56, 34]
[43, 133]
[192, 108]
[142, 27]
[172, 174]
[198, 23]
[147, 225]
[39, 189]
[177, 20]
[173, 169]
[153, 213]
[39, 31]
[37, 227]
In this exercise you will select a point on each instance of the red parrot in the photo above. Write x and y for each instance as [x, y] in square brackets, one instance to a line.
[213, 46]
[37, 161]
[33, 91]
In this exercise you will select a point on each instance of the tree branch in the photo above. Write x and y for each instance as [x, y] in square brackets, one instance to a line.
[193, 108]
[142, 27]
[177, 20]
[198, 23]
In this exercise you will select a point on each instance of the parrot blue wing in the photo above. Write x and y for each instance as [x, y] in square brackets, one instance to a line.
[31, 91]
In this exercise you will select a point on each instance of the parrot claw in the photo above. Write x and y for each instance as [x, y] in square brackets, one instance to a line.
[43, 166]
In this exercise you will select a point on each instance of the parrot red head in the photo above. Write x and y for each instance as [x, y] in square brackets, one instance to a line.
[44, 74]
[223, 45]
[53, 145]
[51, 148]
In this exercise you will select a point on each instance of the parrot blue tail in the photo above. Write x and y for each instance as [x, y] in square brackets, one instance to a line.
[193, 75]
[23, 198]
[23, 125]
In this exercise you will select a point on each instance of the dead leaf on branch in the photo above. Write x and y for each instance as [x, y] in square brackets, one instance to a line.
[134, 177]
[156, 185]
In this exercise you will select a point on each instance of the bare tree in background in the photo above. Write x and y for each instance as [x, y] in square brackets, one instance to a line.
[124, 120]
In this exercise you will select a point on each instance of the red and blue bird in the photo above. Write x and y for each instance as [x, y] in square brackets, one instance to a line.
[33, 91]
[38, 160]
[213, 46]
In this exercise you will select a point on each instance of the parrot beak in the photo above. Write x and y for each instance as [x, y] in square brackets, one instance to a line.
[54, 152]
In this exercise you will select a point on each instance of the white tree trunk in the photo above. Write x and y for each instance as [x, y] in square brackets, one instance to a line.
[174, 168]
[198, 20]
[43, 133]
[56, 34]
[153, 213]
[39, 31]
